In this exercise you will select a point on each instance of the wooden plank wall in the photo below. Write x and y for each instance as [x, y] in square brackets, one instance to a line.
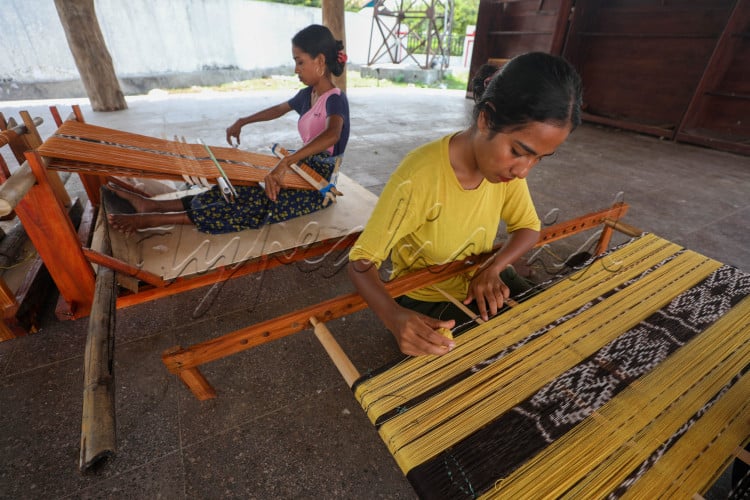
[507, 28]
[641, 60]
[719, 114]
[678, 69]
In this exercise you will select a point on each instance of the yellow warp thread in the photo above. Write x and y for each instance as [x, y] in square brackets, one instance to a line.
[416, 375]
[418, 434]
[597, 455]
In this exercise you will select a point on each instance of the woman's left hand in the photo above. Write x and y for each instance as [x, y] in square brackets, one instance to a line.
[273, 181]
[488, 290]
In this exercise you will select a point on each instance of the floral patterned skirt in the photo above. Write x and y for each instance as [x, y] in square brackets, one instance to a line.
[211, 213]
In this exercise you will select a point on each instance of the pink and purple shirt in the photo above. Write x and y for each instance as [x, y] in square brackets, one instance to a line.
[312, 119]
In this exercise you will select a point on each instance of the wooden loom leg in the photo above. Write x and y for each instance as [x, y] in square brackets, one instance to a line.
[54, 237]
[5, 332]
[8, 308]
[193, 379]
[604, 239]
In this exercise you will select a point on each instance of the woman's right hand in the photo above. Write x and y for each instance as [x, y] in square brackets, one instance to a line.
[273, 180]
[417, 334]
[233, 131]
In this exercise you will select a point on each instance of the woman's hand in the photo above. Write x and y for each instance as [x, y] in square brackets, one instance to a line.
[273, 181]
[488, 290]
[417, 334]
[233, 131]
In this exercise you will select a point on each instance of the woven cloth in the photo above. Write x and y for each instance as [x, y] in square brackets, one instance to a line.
[628, 378]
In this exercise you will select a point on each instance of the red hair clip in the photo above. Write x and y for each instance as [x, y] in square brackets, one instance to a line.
[341, 57]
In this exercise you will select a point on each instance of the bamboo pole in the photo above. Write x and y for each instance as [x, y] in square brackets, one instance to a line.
[98, 428]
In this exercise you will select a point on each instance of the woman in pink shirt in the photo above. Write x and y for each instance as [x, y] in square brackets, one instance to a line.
[323, 126]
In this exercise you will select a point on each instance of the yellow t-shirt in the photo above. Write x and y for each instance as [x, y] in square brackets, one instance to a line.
[424, 217]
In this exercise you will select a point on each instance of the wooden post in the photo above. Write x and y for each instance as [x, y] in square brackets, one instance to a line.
[78, 18]
[98, 428]
[8, 308]
[333, 19]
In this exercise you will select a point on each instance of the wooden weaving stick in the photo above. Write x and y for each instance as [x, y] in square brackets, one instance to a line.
[334, 350]
[227, 190]
[743, 455]
[460, 305]
[316, 180]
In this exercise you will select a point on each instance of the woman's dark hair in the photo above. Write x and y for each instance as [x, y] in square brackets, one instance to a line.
[479, 82]
[532, 87]
[317, 39]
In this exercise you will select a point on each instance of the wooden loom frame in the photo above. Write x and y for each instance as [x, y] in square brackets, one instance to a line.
[18, 309]
[69, 258]
[185, 362]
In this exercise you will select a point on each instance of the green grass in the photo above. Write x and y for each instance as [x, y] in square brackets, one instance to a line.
[455, 81]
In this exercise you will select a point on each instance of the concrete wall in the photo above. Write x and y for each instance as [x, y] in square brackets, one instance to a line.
[163, 43]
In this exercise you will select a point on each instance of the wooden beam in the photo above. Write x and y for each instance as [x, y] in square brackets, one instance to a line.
[123, 267]
[334, 20]
[582, 223]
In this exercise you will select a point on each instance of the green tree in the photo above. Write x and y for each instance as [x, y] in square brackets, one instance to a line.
[464, 14]
[464, 11]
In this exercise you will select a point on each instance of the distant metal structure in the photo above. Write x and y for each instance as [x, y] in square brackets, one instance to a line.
[419, 30]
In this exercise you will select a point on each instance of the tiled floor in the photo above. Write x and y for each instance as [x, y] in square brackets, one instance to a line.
[284, 424]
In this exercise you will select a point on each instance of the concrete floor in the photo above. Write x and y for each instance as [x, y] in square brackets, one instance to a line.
[284, 424]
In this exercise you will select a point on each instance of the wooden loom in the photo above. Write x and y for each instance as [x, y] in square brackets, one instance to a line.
[184, 362]
[467, 424]
[96, 154]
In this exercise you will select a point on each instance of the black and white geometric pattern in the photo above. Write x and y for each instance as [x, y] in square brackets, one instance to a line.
[474, 465]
